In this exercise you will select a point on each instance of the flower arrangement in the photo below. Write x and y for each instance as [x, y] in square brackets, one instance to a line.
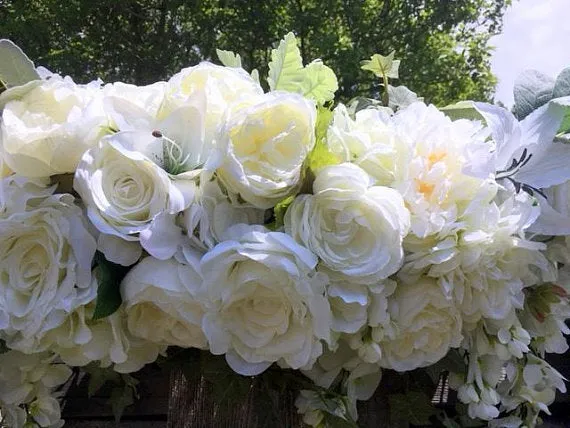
[273, 228]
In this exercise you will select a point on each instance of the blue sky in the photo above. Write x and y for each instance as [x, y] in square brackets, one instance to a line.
[536, 34]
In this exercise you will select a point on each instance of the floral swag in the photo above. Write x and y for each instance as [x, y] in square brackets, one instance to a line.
[284, 233]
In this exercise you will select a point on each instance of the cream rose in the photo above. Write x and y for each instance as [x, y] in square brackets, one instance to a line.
[46, 253]
[264, 301]
[160, 302]
[130, 198]
[425, 326]
[263, 146]
[355, 228]
[219, 86]
[47, 130]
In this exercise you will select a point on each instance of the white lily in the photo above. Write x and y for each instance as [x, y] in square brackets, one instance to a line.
[527, 155]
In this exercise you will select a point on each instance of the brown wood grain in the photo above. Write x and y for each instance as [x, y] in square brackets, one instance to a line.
[192, 406]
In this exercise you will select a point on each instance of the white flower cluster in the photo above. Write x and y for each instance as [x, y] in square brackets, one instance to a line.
[422, 235]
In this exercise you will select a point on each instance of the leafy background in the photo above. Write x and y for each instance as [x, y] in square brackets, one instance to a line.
[443, 45]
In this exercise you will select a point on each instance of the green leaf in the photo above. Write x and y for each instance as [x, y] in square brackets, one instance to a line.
[321, 156]
[123, 396]
[109, 276]
[228, 58]
[360, 103]
[462, 110]
[562, 84]
[564, 102]
[99, 376]
[324, 119]
[3, 347]
[414, 407]
[334, 421]
[280, 210]
[16, 69]
[532, 90]
[286, 66]
[400, 97]
[319, 82]
[382, 66]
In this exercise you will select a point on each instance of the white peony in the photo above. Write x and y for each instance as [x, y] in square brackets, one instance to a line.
[263, 146]
[264, 301]
[421, 153]
[424, 326]
[48, 128]
[355, 228]
[160, 302]
[486, 264]
[46, 253]
[130, 198]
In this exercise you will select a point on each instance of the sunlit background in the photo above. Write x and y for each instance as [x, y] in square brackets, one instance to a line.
[536, 34]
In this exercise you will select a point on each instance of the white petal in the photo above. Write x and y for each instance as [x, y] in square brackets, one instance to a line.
[242, 367]
[505, 130]
[162, 238]
[550, 168]
[550, 221]
[117, 250]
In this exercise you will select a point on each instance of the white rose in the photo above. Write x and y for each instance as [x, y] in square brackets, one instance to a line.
[129, 198]
[426, 325]
[219, 86]
[46, 253]
[263, 147]
[265, 303]
[47, 130]
[355, 228]
[160, 302]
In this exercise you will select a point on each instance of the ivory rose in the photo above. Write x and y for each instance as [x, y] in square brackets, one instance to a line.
[425, 326]
[354, 227]
[47, 130]
[263, 146]
[46, 253]
[219, 86]
[130, 198]
[160, 302]
[264, 301]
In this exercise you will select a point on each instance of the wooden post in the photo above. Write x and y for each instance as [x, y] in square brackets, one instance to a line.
[192, 405]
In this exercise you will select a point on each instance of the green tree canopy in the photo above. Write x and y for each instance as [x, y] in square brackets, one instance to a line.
[443, 45]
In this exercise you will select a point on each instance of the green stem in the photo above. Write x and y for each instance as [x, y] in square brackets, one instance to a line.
[385, 97]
